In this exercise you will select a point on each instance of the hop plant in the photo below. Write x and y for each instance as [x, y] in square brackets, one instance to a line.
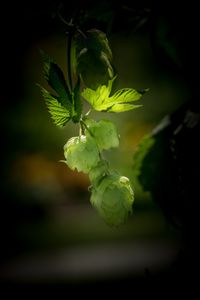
[81, 153]
[98, 172]
[89, 59]
[113, 198]
[104, 133]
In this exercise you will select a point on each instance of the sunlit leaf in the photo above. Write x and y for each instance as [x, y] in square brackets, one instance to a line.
[59, 113]
[125, 95]
[100, 98]
[121, 107]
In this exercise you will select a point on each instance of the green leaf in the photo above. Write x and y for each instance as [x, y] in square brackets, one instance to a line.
[98, 96]
[143, 148]
[104, 133]
[113, 199]
[55, 78]
[125, 95]
[81, 153]
[121, 107]
[59, 113]
[119, 102]
[93, 57]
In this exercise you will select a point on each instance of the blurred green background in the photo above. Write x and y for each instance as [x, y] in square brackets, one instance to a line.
[49, 231]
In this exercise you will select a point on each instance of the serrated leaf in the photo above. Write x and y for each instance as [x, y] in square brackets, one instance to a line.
[120, 107]
[125, 95]
[59, 113]
[119, 102]
[55, 78]
[98, 96]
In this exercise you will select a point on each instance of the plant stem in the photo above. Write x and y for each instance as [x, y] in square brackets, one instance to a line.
[69, 45]
[86, 127]
[82, 129]
[89, 111]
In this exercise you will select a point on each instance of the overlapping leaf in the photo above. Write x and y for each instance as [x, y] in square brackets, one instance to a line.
[55, 78]
[64, 106]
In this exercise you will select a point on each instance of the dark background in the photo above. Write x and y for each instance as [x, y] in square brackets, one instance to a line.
[50, 235]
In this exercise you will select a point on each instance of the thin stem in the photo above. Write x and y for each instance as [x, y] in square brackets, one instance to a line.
[82, 129]
[71, 28]
[88, 113]
[69, 71]
[86, 127]
[81, 32]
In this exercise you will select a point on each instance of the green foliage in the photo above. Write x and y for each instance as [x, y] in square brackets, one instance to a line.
[90, 56]
[65, 106]
[55, 78]
[59, 113]
[119, 102]
[143, 148]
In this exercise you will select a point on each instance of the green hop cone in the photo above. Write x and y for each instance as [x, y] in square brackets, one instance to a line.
[81, 153]
[98, 172]
[113, 199]
[104, 133]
